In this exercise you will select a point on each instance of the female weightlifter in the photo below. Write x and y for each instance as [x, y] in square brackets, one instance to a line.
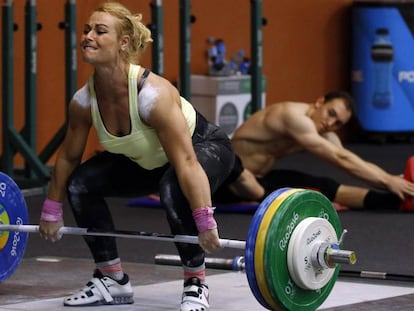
[153, 140]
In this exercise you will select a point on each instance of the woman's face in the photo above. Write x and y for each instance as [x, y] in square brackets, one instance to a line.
[100, 42]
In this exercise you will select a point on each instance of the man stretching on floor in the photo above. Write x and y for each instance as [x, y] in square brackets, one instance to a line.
[290, 127]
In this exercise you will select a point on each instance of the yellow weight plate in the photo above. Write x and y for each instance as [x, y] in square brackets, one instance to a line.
[260, 247]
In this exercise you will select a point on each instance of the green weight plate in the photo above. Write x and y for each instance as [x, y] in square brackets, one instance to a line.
[259, 251]
[297, 207]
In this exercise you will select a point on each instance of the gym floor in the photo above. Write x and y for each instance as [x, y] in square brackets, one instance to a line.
[51, 271]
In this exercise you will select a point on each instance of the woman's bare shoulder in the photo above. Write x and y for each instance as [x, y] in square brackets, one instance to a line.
[81, 97]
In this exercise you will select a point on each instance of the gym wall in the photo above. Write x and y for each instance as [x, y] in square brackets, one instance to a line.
[306, 50]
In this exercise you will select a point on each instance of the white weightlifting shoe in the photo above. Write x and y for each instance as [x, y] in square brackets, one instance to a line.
[195, 296]
[102, 290]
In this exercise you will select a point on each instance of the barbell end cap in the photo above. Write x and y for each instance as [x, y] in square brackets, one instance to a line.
[353, 258]
[335, 256]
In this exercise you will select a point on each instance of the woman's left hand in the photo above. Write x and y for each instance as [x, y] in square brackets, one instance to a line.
[209, 241]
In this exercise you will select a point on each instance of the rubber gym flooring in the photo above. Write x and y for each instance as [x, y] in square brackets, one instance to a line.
[381, 239]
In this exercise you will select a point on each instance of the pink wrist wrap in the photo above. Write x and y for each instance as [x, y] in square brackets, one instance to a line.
[204, 219]
[51, 211]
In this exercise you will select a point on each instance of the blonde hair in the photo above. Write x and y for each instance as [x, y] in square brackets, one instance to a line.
[130, 25]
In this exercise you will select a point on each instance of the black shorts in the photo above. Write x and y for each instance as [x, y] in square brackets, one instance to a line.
[235, 172]
[277, 179]
[223, 195]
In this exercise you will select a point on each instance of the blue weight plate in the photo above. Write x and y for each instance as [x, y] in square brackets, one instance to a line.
[13, 210]
[251, 243]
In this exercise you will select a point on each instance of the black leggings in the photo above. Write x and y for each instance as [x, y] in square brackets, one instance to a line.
[112, 175]
[280, 178]
[375, 199]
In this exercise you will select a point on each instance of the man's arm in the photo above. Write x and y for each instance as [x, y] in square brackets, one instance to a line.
[333, 138]
[302, 130]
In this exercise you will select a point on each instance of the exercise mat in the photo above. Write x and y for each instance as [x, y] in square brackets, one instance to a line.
[239, 207]
[153, 201]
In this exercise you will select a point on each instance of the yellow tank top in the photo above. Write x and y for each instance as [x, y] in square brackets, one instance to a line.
[142, 144]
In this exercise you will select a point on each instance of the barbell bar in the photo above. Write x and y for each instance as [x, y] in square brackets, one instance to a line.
[331, 254]
[292, 254]
[124, 234]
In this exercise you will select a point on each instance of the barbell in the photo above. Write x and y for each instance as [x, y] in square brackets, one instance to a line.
[292, 254]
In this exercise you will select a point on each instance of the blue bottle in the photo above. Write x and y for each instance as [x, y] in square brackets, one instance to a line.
[382, 53]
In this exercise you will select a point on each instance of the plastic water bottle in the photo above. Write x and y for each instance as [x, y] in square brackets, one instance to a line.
[382, 54]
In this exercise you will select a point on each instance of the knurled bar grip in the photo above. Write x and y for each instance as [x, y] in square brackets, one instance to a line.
[125, 234]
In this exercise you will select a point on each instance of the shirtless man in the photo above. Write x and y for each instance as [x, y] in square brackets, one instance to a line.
[289, 127]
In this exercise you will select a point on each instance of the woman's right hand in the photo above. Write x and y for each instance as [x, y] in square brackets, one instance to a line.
[50, 230]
